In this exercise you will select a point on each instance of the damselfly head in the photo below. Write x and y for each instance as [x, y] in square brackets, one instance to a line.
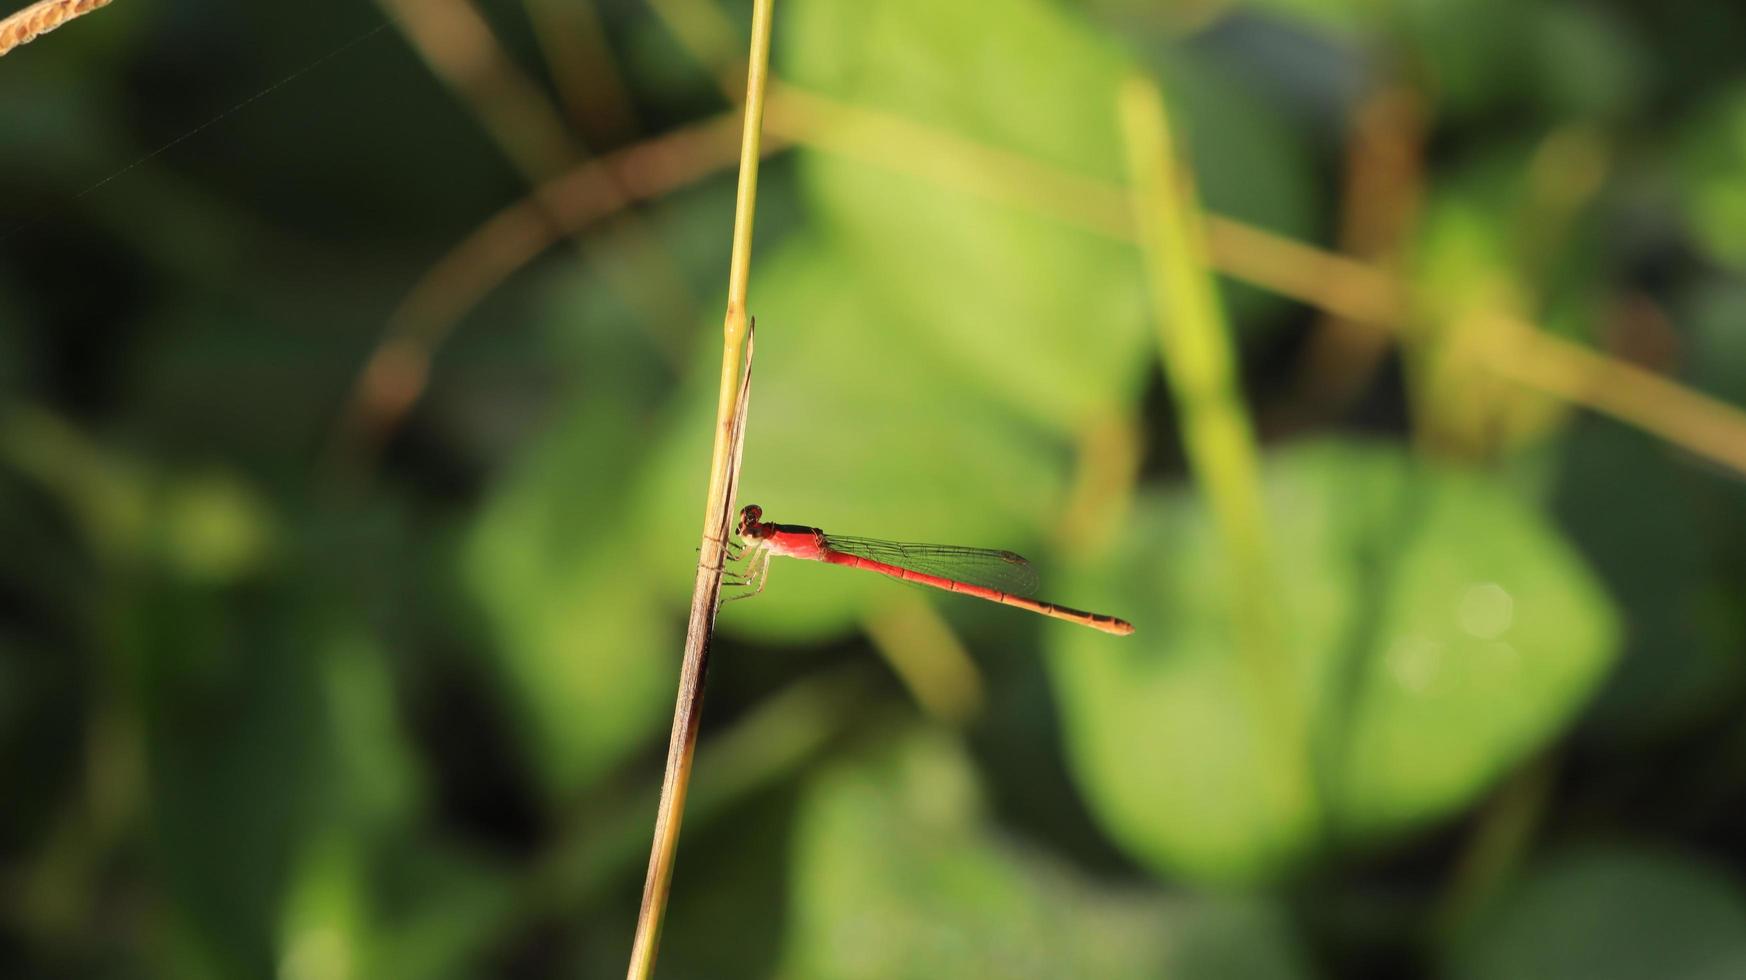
[750, 515]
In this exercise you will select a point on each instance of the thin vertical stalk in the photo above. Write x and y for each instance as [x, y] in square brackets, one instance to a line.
[1199, 366]
[723, 475]
[1494, 851]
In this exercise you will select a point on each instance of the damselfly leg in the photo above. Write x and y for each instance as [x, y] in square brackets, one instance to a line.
[755, 574]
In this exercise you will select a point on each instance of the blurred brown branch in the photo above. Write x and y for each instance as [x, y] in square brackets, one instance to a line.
[583, 69]
[569, 192]
[457, 43]
[38, 19]
[394, 376]
[1638, 397]
[1322, 279]
[1365, 296]
[927, 658]
[1382, 198]
[1368, 297]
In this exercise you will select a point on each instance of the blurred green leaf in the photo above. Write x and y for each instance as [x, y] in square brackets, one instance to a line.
[1712, 176]
[1503, 240]
[1342, 15]
[1043, 315]
[726, 918]
[1610, 915]
[1668, 562]
[1249, 162]
[52, 107]
[1232, 937]
[1473, 51]
[1511, 221]
[108, 494]
[1572, 60]
[450, 907]
[1714, 310]
[324, 935]
[230, 707]
[245, 731]
[1680, 664]
[17, 360]
[335, 910]
[897, 875]
[588, 645]
[1440, 630]
[588, 652]
[1585, 62]
[215, 527]
[1020, 75]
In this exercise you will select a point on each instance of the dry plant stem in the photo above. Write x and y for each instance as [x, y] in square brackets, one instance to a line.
[50, 892]
[1334, 284]
[600, 842]
[1483, 415]
[1503, 836]
[927, 657]
[38, 19]
[1567, 171]
[458, 45]
[892, 142]
[1199, 366]
[395, 374]
[700, 631]
[1365, 297]
[599, 838]
[1670, 411]
[1381, 202]
[1106, 474]
[723, 475]
[581, 61]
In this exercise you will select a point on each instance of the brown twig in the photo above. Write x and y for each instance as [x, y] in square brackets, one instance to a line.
[893, 142]
[1691, 420]
[38, 19]
[1367, 296]
[583, 69]
[457, 43]
[1381, 202]
[927, 658]
[394, 376]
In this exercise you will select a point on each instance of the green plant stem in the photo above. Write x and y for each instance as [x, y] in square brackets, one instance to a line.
[723, 473]
[1504, 834]
[1199, 366]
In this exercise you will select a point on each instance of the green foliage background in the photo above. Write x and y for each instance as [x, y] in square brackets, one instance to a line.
[263, 713]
